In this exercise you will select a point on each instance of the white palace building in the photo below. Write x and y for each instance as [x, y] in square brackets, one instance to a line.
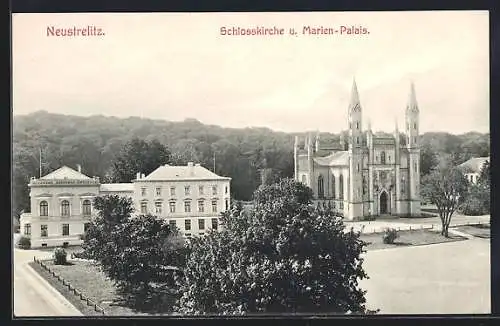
[190, 197]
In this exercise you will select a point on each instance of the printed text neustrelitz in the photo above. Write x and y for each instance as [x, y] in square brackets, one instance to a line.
[75, 31]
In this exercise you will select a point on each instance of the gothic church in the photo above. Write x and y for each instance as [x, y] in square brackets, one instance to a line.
[366, 175]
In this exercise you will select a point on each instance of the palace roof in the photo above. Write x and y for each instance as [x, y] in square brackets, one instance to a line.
[65, 172]
[189, 172]
[474, 165]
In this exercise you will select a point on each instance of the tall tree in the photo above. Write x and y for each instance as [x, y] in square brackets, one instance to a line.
[447, 188]
[139, 156]
[283, 256]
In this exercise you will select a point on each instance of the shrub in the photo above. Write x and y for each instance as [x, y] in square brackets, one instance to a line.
[60, 256]
[24, 242]
[390, 235]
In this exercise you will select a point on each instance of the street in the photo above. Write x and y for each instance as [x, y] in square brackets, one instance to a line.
[33, 296]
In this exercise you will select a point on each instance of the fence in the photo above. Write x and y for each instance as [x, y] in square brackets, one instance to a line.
[70, 287]
[381, 229]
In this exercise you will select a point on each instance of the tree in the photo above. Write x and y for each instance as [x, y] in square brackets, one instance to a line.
[282, 256]
[447, 188]
[142, 250]
[139, 156]
[478, 201]
[428, 160]
[111, 211]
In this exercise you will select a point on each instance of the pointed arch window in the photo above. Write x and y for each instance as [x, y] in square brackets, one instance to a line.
[321, 187]
[333, 186]
[357, 124]
[44, 208]
[382, 157]
[341, 187]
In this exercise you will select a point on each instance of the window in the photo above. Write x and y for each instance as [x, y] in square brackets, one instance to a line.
[304, 179]
[214, 206]
[403, 185]
[172, 191]
[321, 187]
[187, 206]
[158, 207]
[415, 140]
[382, 157]
[65, 229]
[27, 229]
[187, 190]
[86, 207]
[415, 166]
[214, 190]
[357, 140]
[364, 185]
[215, 223]
[143, 192]
[333, 187]
[172, 206]
[201, 224]
[389, 158]
[201, 206]
[65, 208]
[341, 187]
[44, 208]
[226, 204]
[86, 227]
[144, 207]
[357, 125]
[471, 178]
[172, 223]
[357, 167]
[158, 191]
[43, 230]
[200, 190]
[414, 126]
[226, 189]
[187, 225]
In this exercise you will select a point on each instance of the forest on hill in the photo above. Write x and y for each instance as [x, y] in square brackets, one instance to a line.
[94, 142]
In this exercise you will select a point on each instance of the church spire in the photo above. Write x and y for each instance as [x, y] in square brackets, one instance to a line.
[412, 99]
[354, 105]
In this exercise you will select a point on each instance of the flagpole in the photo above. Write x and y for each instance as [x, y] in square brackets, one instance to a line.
[40, 162]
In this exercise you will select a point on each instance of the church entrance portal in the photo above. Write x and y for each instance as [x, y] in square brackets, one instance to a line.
[383, 203]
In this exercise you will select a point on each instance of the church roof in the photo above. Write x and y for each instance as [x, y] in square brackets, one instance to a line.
[474, 165]
[335, 159]
[116, 187]
[65, 172]
[193, 172]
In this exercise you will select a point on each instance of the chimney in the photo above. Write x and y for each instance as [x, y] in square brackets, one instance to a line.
[197, 164]
[138, 175]
[190, 164]
[143, 175]
[79, 167]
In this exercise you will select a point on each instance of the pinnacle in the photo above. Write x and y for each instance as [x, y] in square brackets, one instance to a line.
[412, 100]
[354, 105]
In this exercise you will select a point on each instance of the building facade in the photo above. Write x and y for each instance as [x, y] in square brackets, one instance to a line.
[189, 197]
[365, 175]
[472, 168]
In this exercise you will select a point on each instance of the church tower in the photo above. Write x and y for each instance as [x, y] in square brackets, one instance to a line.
[413, 146]
[355, 182]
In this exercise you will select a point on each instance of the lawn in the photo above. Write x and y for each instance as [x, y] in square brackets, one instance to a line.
[479, 231]
[407, 238]
[86, 277]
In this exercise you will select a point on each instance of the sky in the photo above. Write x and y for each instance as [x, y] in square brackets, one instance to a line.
[174, 66]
